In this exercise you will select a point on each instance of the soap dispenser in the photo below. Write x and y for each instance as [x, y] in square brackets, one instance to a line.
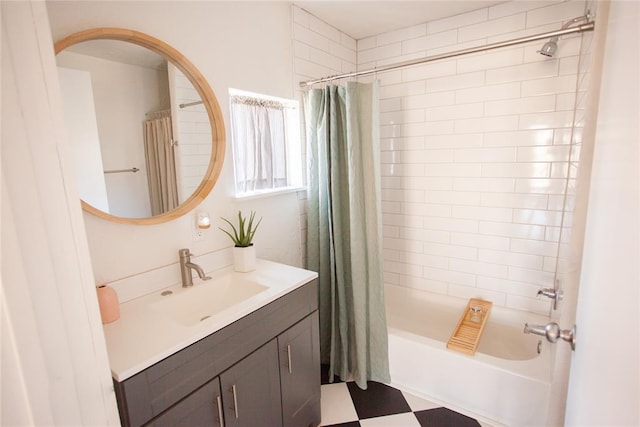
[109, 306]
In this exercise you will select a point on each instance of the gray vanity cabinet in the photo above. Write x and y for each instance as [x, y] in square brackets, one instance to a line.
[299, 358]
[262, 370]
[251, 390]
[194, 410]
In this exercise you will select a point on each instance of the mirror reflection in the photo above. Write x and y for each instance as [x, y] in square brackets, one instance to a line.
[139, 132]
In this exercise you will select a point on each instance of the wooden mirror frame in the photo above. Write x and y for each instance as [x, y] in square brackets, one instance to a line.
[206, 94]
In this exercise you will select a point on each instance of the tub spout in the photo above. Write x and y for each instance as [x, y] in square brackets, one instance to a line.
[535, 329]
[552, 332]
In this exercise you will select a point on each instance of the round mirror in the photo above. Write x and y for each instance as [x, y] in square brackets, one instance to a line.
[146, 130]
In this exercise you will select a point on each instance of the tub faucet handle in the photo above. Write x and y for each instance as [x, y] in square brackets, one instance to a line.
[554, 293]
[550, 293]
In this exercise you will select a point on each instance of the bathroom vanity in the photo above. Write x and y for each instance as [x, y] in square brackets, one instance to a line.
[252, 362]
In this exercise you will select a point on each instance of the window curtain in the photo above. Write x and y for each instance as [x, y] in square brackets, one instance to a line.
[161, 164]
[344, 231]
[258, 131]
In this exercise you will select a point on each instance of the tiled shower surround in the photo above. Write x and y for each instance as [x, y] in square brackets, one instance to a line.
[194, 140]
[475, 149]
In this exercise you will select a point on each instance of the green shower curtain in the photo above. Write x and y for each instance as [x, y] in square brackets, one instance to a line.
[344, 231]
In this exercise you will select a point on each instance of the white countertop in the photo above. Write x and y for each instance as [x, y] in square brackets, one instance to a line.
[144, 335]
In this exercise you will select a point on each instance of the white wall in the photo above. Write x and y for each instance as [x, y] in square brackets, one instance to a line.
[82, 131]
[245, 45]
[605, 374]
[475, 152]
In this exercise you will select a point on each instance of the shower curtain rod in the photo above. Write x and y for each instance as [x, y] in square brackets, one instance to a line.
[589, 26]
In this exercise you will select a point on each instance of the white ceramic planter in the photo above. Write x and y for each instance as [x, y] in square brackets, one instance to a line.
[244, 259]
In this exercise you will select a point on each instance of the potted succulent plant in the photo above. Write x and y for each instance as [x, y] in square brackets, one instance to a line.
[244, 253]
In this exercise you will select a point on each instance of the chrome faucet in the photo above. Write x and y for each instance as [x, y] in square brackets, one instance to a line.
[185, 269]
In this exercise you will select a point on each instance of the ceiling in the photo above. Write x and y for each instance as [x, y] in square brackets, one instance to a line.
[364, 18]
[357, 18]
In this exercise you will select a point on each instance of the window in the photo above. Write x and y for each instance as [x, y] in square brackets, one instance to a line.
[265, 133]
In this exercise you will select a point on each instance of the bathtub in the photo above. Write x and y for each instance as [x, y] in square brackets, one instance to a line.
[506, 382]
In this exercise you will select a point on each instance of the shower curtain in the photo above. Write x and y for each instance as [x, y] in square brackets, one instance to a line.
[344, 231]
[161, 163]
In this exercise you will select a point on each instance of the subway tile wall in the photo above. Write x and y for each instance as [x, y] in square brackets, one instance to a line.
[193, 134]
[475, 150]
[571, 235]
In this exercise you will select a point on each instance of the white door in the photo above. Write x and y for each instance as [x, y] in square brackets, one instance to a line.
[55, 367]
[604, 379]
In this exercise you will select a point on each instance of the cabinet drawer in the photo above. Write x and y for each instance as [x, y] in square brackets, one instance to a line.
[200, 408]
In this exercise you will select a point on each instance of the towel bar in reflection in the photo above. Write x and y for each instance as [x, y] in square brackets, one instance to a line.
[134, 170]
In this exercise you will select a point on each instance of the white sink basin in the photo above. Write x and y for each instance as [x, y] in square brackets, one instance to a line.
[190, 306]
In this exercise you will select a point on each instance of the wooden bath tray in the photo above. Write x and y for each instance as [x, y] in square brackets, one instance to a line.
[466, 336]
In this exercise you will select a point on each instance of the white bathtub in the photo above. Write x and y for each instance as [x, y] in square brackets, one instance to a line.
[505, 382]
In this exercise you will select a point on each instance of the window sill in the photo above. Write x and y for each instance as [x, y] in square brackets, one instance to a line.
[267, 193]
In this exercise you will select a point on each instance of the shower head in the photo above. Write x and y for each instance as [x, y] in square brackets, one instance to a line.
[549, 48]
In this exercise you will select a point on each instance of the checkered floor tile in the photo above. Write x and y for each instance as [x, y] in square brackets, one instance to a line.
[344, 404]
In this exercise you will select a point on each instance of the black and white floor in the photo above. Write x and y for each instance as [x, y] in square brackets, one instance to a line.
[344, 404]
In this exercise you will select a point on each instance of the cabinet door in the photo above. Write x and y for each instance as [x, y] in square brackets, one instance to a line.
[299, 352]
[251, 390]
[203, 407]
